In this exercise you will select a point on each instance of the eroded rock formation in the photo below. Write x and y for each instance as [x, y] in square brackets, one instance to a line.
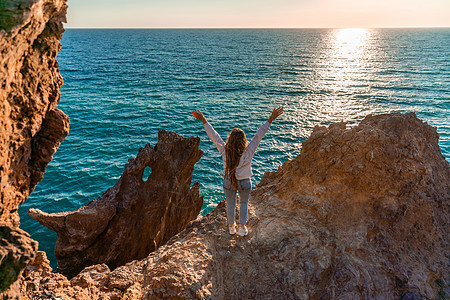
[361, 213]
[135, 216]
[31, 127]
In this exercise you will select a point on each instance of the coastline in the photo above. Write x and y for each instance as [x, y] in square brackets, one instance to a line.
[359, 212]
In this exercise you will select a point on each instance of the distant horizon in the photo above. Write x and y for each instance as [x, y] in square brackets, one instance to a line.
[387, 27]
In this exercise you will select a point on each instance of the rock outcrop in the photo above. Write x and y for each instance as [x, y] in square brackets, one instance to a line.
[137, 215]
[31, 127]
[360, 213]
[16, 247]
[94, 282]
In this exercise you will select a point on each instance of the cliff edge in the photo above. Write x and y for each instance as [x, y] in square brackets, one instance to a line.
[31, 127]
[360, 213]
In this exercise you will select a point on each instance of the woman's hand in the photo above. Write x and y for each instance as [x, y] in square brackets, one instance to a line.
[275, 114]
[199, 116]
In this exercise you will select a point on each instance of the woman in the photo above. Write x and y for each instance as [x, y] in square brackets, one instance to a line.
[237, 155]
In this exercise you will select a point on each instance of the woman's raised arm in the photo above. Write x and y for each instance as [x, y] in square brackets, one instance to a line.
[212, 134]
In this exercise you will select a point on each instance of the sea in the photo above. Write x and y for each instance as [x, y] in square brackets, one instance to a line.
[122, 85]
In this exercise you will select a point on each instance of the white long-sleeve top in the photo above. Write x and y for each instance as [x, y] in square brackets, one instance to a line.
[244, 168]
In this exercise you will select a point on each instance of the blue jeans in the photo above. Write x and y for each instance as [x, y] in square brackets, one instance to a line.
[244, 188]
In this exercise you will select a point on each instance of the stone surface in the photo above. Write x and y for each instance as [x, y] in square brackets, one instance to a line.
[137, 215]
[94, 282]
[360, 213]
[31, 127]
[17, 250]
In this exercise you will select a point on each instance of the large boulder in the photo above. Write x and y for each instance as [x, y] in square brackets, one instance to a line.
[136, 215]
[31, 127]
[360, 213]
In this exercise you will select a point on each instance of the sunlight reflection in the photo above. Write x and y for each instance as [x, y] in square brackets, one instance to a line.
[347, 56]
[346, 69]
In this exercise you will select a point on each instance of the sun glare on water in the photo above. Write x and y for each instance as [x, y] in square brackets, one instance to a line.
[347, 55]
[346, 66]
[343, 69]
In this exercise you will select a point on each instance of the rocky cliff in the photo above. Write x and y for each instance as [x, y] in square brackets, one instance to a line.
[132, 218]
[360, 213]
[136, 215]
[31, 127]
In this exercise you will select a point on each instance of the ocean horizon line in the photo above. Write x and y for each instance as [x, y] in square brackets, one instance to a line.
[253, 28]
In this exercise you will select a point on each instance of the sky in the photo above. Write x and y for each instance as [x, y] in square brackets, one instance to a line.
[257, 13]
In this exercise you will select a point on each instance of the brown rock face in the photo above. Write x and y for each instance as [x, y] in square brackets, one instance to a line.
[94, 282]
[135, 216]
[17, 250]
[361, 213]
[31, 127]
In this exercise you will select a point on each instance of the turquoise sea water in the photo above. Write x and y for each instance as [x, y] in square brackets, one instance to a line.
[120, 86]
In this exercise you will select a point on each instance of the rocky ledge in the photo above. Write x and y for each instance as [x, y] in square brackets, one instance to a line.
[360, 213]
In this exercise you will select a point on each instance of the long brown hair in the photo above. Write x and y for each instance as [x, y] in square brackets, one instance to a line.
[234, 147]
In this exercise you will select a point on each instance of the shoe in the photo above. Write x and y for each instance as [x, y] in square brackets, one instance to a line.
[243, 231]
[232, 228]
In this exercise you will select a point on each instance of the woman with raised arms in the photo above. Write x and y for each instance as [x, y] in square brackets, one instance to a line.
[237, 155]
